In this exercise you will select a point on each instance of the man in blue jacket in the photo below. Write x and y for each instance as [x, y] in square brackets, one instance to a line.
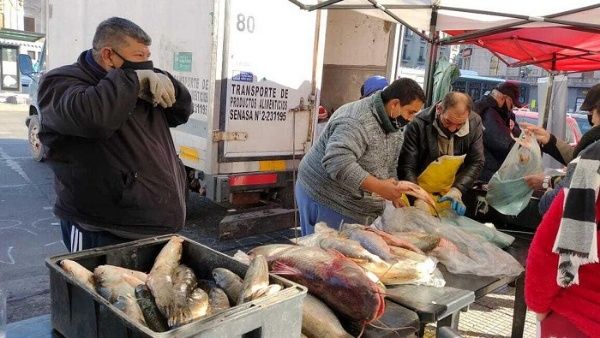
[105, 122]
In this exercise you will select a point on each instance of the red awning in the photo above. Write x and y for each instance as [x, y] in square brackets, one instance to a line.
[552, 48]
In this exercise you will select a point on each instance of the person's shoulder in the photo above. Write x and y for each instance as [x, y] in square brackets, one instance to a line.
[65, 71]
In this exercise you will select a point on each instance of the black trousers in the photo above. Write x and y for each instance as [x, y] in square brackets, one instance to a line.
[76, 238]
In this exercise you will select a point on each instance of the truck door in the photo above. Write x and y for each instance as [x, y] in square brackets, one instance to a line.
[268, 107]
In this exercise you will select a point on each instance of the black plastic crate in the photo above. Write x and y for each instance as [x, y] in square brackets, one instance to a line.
[77, 312]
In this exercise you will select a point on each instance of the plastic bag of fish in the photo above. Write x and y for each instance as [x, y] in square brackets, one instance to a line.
[460, 251]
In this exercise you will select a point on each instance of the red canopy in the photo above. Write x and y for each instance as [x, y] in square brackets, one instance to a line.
[552, 48]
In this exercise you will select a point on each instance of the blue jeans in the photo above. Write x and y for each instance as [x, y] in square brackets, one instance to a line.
[312, 212]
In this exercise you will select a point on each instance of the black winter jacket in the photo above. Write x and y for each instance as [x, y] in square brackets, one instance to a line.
[112, 154]
[420, 148]
[497, 140]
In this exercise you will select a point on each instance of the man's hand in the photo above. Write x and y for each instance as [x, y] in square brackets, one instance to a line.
[156, 88]
[389, 189]
[541, 134]
[534, 181]
[454, 196]
[541, 316]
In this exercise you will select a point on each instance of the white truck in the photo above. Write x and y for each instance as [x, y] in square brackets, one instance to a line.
[254, 69]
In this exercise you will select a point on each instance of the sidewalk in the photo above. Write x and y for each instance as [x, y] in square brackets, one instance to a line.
[490, 317]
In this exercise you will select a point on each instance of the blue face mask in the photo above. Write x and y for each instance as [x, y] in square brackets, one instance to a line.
[134, 65]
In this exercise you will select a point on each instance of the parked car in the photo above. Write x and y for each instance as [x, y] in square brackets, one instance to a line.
[573, 131]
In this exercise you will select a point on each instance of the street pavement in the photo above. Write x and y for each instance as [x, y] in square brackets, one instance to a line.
[29, 231]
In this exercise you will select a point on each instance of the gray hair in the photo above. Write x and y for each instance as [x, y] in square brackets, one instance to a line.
[112, 32]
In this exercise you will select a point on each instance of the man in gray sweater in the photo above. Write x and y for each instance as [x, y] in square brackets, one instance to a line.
[351, 170]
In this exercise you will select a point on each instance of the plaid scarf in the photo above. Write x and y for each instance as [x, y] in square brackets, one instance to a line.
[576, 241]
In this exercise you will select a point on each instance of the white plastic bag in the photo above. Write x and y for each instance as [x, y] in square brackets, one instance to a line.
[507, 191]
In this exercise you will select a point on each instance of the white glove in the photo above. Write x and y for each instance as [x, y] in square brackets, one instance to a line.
[156, 88]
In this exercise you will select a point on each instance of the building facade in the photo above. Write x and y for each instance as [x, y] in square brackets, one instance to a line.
[18, 36]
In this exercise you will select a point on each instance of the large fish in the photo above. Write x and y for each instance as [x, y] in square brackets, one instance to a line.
[256, 280]
[319, 321]
[230, 282]
[184, 282]
[130, 307]
[79, 273]
[119, 289]
[160, 279]
[218, 300]
[337, 280]
[197, 306]
[422, 240]
[370, 241]
[154, 319]
[112, 283]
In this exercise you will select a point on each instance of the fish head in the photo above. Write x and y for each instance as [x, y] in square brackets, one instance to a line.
[348, 277]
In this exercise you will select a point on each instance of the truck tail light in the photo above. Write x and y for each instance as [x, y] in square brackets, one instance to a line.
[246, 180]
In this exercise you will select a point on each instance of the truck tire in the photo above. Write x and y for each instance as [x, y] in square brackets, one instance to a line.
[38, 151]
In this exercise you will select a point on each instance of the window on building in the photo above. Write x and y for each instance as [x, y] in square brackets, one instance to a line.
[494, 65]
[422, 53]
[466, 64]
[8, 68]
[408, 33]
[29, 24]
[405, 52]
[31, 54]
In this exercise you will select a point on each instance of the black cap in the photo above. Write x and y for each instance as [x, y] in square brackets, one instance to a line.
[592, 99]
[511, 89]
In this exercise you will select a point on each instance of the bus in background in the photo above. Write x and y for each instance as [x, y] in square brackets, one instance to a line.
[477, 86]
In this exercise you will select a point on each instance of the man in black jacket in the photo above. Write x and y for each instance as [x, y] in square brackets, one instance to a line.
[443, 150]
[105, 121]
[499, 125]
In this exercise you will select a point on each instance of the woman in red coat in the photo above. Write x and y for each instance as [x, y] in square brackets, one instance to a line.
[562, 280]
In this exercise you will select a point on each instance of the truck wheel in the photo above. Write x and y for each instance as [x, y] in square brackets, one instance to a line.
[37, 148]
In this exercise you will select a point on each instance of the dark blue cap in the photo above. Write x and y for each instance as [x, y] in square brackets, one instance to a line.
[373, 84]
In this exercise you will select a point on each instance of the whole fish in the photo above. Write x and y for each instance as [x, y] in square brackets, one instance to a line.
[111, 283]
[370, 241]
[335, 279]
[255, 280]
[270, 249]
[119, 290]
[422, 240]
[198, 303]
[390, 239]
[160, 279]
[184, 282]
[230, 282]
[154, 319]
[349, 248]
[217, 299]
[130, 307]
[79, 273]
[197, 306]
[319, 321]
